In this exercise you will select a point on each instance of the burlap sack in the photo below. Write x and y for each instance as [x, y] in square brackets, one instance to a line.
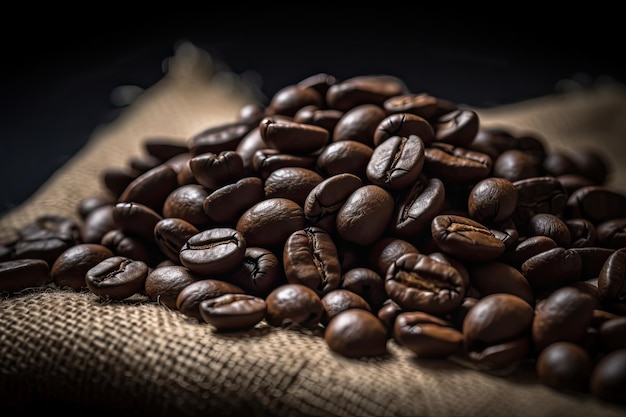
[62, 350]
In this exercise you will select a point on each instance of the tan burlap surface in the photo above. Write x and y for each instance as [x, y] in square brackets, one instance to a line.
[70, 350]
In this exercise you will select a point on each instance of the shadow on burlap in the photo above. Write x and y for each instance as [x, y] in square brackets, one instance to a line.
[62, 350]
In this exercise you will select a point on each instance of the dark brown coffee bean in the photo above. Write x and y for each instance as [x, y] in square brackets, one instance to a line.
[387, 315]
[359, 124]
[310, 258]
[151, 188]
[258, 273]
[546, 224]
[356, 333]
[88, 204]
[266, 161]
[163, 284]
[582, 232]
[248, 146]
[190, 297]
[117, 277]
[292, 137]
[320, 81]
[326, 198]
[608, 377]
[70, 268]
[572, 182]
[137, 219]
[338, 300]
[171, 234]
[457, 127]
[596, 203]
[216, 139]
[613, 333]
[215, 170]
[213, 251]
[612, 279]
[562, 317]
[492, 200]
[46, 238]
[515, 165]
[465, 238]
[422, 104]
[20, 274]
[270, 222]
[324, 118]
[97, 223]
[227, 203]
[538, 195]
[233, 312]
[416, 282]
[116, 180]
[344, 157]
[592, 260]
[130, 246]
[293, 305]
[291, 98]
[564, 366]
[368, 284]
[552, 268]
[498, 277]
[364, 89]
[294, 183]
[530, 247]
[365, 214]
[416, 206]
[165, 147]
[404, 125]
[426, 335]
[612, 233]
[592, 164]
[456, 165]
[397, 162]
[497, 138]
[386, 250]
[453, 262]
[186, 203]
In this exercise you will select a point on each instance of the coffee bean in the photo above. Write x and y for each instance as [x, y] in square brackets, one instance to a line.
[293, 305]
[213, 251]
[356, 333]
[70, 268]
[190, 297]
[465, 238]
[19, 274]
[426, 335]
[117, 277]
[564, 366]
[608, 377]
[233, 312]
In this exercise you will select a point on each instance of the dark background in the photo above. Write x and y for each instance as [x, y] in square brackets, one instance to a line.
[60, 67]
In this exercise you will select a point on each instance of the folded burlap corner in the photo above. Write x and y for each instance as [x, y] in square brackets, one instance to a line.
[63, 350]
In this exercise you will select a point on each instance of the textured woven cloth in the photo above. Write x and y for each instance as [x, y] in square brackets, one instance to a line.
[67, 350]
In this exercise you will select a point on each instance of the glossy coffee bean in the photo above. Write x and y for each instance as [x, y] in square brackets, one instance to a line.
[397, 162]
[117, 277]
[422, 104]
[613, 333]
[190, 297]
[552, 268]
[416, 206]
[259, 273]
[546, 224]
[543, 194]
[233, 312]
[564, 366]
[227, 203]
[293, 305]
[515, 165]
[291, 137]
[213, 251]
[313, 115]
[612, 233]
[216, 139]
[130, 246]
[612, 278]
[186, 203]
[310, 258]
[426, 335]
[356, 333]
[582, 233]
[596, 203]
[171, 234]
[592, 260]
[163, 284]
[417, 282]
[492, 200]
[465, 238]
[454, 164]
[20, 274]
[291, 98]
[365, 214]
[366, 283]
[269, 222]
[215, 170]
[151, 188]
[364, 89]
[338, 300]
[266, 161]
[46, 237]
[137, 219]
[165, 147]
[499, 277]
[97, 223]
[70, 268]
[386, 251]
[294, 183]
[608, 377]
[404, 125]
[457, 127]
[530, 247]
[359, 124]
[344, 157]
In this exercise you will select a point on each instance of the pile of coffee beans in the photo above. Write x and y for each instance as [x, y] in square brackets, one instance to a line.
[371, 214]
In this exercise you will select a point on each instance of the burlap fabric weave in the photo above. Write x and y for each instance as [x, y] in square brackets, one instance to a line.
[63, 350]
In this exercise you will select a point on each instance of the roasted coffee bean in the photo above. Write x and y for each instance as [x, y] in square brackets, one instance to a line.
[130, 246]
[404, 125]
[492, 200]
[396, 163]
[46, 238]
[596, 203]
[230, 201]
[258, 273]
[116, 180]
[465, 238]
[387, 315]
[190, 297]
[326, 198]
[613, 333]
[310, 258]
[320, 81]
[266, 161]
[171, 234]
[612, 278]
[213, 251]
[269, 222]
[137, 219]
[163, 284]
[453, 262]
[70, 268]
[552, 268]
[582, 233]
[117, 277]
[291, 98]
[386, 250]
[294, 183]
[233, 312]
[359, 124]
[365, 215]
[592, 260]
[186, 203]
[20, 274]
[564, 366]
[292, 137]
[458, 127]
[530, 247]
[608, 377]
[364, 89]
[344, 157]
[558, 162]
[248, 146]
[572, 182]
[515, 165]
[165, 147]
[418, 283]
[313, 115]
[338, 300]
[612, 233]
[546, 224]
[426, 335]
[215, 170]
[422, 104]
[498, 277]
[562, 317]
[151, 188]
[216, 139]
[454, 164]
[591, 163]
[88, 204]
[497, 138]
[538, 195]
[97, 223]
[366, 283]
[356, 333]
[416, 206]
[293, 305]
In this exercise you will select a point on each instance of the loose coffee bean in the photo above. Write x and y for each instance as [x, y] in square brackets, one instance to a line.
[417, 283]
[117, 277]
[269, 222]
[397, 162]
[19, 274]
[530, 247]
[359, 124]
[365, 214]
[292, 137]
[538, 195]
[186, 203]
[171, 234]
[215, 170]
[612, 279]
[344, 157]
[546, 224]
[416, 206]
[222, 137]
[564, 366]
[163, 284]
[151, 188]
[596, 203]
[592, 260]
[465, 238]
[164, 148]
[70, 268]
[291, 98]
[356, 333]
[613, 333]
[129, 246]
[190, 297]
[612, 233]
[426, 335]
[338, 300]
[137, 219]
[313, 115]
[498, 277]
[226, 204]
[515, 165]
[608, 377]
[46, 238]
[310, 258]
[364, 89]
[492, 200]
[458, 127]
[422, 104]
[404, 125]
[454, 164]
[259, 273]
[97, 223]
[386, 250]
[366, 283]
[233, 312]
[552, 268]
[294, 183]
[266, 161]
[213, 251]
[582, 233]
[293, 305]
